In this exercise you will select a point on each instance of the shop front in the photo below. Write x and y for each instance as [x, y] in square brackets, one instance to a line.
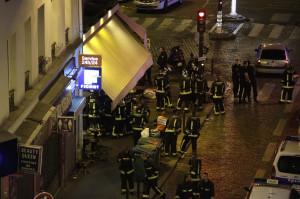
[122, 43]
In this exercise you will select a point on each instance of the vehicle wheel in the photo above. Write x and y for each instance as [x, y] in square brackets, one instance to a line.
[166, 5]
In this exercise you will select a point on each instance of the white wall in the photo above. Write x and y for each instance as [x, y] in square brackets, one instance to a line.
[13, 16]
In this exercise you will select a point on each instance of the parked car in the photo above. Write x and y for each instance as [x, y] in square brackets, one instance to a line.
[286, 165]
[272, 58]
[155, 4]
[271, 189]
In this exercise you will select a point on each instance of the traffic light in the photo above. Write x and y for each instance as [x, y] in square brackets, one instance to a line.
[220, 5]
[201, 20]
[8, 154]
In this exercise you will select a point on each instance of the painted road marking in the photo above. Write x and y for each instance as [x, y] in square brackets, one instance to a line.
[279, 128]
[213, 28]
[269, 152]
[183, 25]
[148, 22]
[276, 31]
[256, 29]
[281, 17]
[266, 91]
[165, 23]
[295, 34]
[260, 173]
[238, 28]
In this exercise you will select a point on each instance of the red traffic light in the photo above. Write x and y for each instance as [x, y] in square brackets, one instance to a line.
[201, 14]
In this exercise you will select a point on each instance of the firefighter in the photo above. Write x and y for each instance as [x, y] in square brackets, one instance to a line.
[191, 134]
[288, 83]
[200, 88]
[247, 85]
[217, 91]
[185, 189]
[207, 190]
[195, 172]
[126, 167]
[185, 93]
[171, 133]
[192, 64]
[151, 178]
[162, 59]
[235, 75]
[167, 99]
[160, 90]
[119, 127]
[138, 122]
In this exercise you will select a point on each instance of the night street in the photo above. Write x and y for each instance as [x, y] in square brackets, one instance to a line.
[239, 146]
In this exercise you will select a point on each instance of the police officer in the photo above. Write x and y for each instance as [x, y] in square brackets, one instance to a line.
[160, 90]
[195, 172]
[235, 75]
[138, 122]
[191, 133]
[200, 88]
[126, 168]
[242, 82]
[119, 120]
[162, 59]
[171, 133]
[252, 76]
[207, 190]
[288, 83]
[217, 91]
[151, 178]
[247, 85]
[185, 189]
[185, 93]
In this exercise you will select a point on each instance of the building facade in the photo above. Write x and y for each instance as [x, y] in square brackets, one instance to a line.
[29, 33]
[39, 40]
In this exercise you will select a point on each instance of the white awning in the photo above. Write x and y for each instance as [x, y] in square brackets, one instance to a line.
[124, 58]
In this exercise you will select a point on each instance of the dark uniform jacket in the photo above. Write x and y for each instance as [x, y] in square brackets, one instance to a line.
[162, 59]
[138, 120]
[120, 112]
[160, 83]
[184, 191]
[186, 86]
[207, 189]
[126, 163]
[218, 89]
[235, 72]
[288, 79]
[174, 125]
[192, 128]
[200, 86]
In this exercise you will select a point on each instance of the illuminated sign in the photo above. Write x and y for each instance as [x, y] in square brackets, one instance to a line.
[90, 79]
[92, 61]
[30, 159]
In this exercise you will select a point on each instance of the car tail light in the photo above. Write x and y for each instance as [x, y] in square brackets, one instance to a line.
[258, 62]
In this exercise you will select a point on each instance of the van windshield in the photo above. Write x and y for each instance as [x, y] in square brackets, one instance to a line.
[274, 54]
[289, 164]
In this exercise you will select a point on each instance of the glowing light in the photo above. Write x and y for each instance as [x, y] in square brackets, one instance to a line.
[83, 37]
[109, 13]
[101, 21]
[233, 7]
[201, 14]
[92, 29]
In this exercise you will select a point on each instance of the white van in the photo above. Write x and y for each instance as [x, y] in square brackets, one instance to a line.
[155, 4]
[271, 189]
[286, 165]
